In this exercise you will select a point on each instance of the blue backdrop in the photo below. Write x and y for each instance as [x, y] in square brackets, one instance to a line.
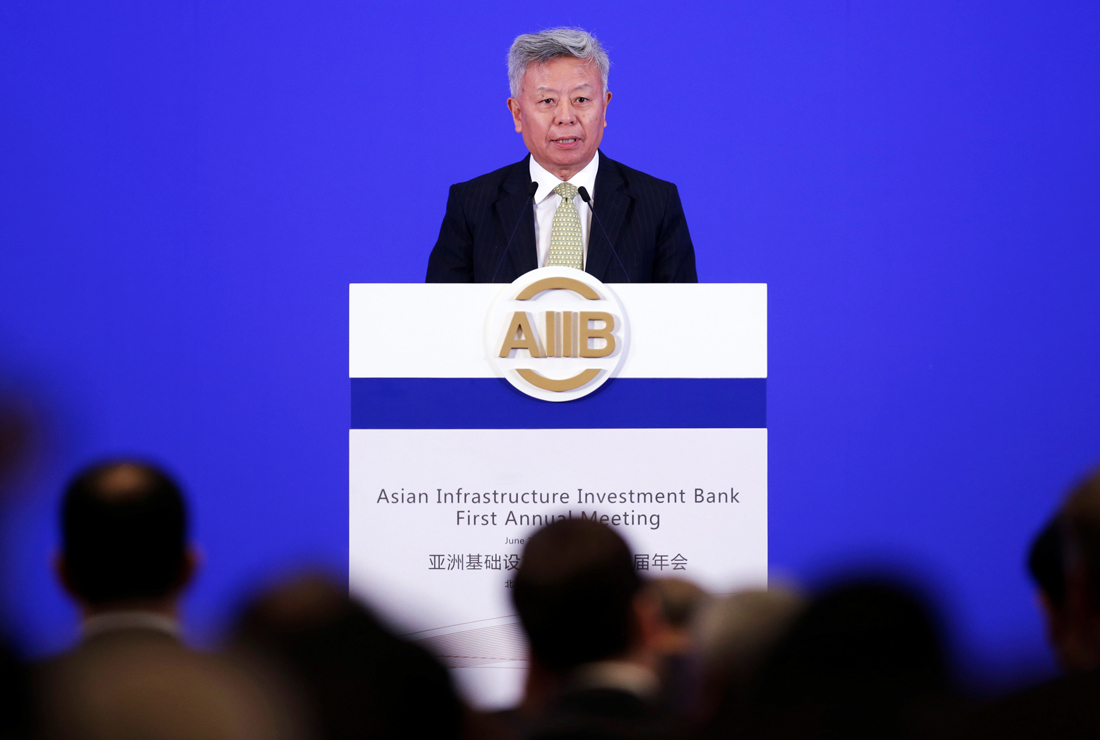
[188, 187]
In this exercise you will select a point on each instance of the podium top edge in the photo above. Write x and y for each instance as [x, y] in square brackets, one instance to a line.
[612, 285]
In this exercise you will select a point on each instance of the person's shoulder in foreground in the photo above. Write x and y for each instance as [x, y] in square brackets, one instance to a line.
[1065, 562]
[637, 230]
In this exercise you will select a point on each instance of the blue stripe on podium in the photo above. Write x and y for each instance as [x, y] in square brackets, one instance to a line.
[621, 403]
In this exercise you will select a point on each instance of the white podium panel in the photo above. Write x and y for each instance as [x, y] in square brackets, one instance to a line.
[452, 467]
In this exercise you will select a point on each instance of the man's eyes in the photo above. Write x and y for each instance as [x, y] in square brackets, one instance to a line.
[582, 100]
[547, 100]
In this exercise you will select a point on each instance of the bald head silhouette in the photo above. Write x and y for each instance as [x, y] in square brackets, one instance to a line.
[575, 592]
[124, 536]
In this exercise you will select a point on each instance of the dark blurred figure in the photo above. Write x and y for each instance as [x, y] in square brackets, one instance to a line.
[734, 635]
[1046, 564]
[1080, 530]
[125, 557]
[863, 660]
[590, 627]
[358, 680]
[126, 561]
[678, 661]
[1067, 707]
[17, 449]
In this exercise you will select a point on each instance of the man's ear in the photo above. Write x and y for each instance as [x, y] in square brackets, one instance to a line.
[1046, 607]
[513, 106]
[193, 559]
[606, 100]
[63, 575]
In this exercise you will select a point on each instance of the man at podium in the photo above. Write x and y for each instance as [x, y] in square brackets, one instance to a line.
[565, 204]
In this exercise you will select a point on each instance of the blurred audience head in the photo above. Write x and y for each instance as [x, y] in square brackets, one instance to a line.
[19, 430]
[861, 660]
[579, 598]
[358, 679]
[1046, 565]
[679, 601]
[124, 539]
[1078, 641]
[735, 633]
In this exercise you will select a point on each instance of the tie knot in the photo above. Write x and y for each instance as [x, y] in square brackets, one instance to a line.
[566, 190]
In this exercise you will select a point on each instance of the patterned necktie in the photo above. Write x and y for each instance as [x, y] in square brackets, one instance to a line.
[566, 245]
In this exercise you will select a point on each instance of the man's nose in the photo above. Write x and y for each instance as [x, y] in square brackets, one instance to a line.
[563, 115]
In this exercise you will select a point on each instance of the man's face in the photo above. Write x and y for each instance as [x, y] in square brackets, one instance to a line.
[561, 111]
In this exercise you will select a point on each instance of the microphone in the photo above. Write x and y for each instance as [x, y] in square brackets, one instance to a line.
[588, 201]
[532, 188]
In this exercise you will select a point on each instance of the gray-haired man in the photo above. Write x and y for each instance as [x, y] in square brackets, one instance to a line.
[539, 211]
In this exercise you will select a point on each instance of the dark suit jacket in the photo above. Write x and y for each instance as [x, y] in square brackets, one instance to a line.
[642, 215]
[1065, 708]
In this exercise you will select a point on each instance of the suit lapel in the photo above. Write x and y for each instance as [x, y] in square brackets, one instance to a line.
[611, 204]
[514, 212]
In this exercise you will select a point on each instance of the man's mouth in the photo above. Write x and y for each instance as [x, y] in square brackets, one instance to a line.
[571, 140]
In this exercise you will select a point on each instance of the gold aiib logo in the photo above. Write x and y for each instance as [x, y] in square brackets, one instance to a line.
[556, 333]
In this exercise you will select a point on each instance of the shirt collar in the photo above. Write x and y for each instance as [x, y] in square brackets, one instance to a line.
[129, 620]
[586, 178]
[613, 674]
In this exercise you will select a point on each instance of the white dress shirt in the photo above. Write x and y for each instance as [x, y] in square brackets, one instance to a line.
[547, 201]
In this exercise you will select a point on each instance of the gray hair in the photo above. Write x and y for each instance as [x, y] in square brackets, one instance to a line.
[540, 48]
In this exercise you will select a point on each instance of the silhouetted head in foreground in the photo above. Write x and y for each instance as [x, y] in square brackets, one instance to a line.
[735, 634]
[592, 632]
[1077, 636]
[18, 432]
[1046, 564]
[576, 593]
[124, 539]
[861, 660]
[679, 602]
[359, 680]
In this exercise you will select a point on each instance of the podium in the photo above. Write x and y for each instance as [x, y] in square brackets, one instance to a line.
[481, 412]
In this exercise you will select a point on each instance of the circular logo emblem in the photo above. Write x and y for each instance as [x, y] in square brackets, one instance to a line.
[556, 333]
